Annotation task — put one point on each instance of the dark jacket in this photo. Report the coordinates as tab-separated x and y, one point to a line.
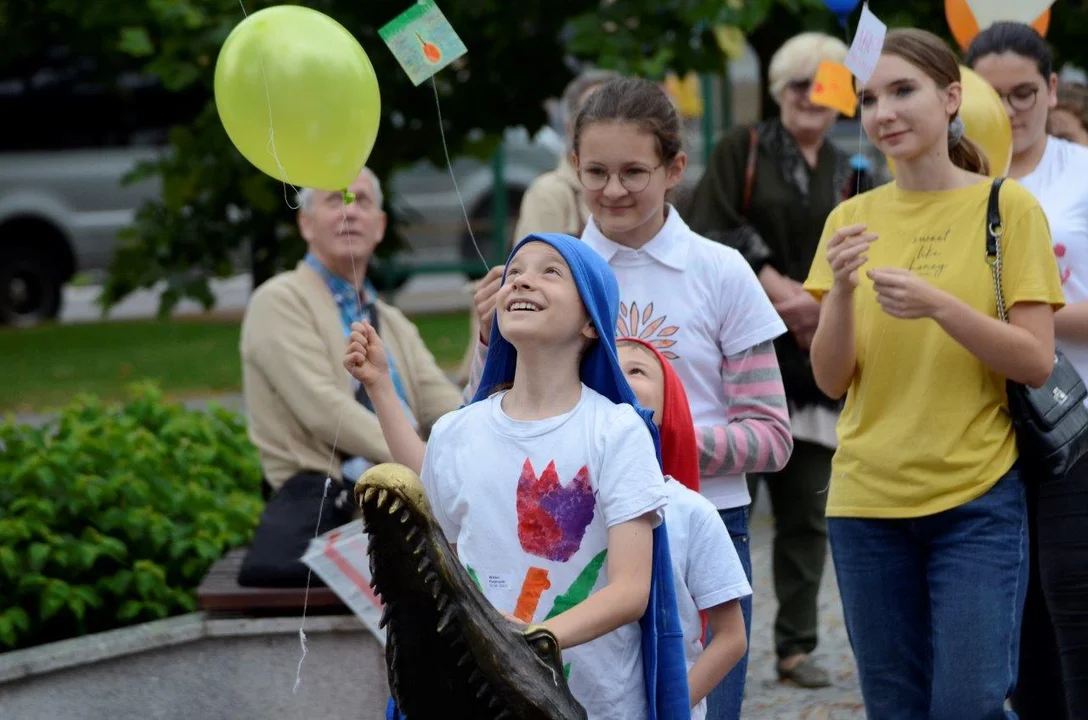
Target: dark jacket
789	203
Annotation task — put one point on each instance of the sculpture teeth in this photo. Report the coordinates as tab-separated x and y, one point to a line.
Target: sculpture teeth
445	620
395	505
464	660
493	704
368	494
504	715
387	612
484	689
420	546
412	532
474	676
442	600
383	495
424	564
405	515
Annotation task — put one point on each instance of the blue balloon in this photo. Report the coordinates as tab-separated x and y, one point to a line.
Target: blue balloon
842	8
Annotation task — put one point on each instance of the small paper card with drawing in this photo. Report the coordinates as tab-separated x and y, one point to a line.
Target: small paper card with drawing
833	87
339	558
422	40
868	42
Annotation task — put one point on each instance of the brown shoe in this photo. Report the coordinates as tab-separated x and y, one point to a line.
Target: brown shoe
806	674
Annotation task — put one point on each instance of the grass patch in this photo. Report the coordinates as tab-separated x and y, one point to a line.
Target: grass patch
43	367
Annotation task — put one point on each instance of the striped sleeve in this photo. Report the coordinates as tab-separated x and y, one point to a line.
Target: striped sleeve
476	373
756	436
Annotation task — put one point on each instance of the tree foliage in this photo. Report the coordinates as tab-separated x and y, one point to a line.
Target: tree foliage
215	205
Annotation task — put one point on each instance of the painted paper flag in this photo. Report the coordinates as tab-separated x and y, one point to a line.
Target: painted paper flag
340	558
868	42
833	87
422	40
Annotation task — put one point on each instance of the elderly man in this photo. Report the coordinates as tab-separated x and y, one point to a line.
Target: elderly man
307	417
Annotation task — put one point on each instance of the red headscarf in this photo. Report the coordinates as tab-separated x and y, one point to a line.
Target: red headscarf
679	453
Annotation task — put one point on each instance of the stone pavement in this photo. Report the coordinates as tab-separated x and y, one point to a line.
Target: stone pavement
765	697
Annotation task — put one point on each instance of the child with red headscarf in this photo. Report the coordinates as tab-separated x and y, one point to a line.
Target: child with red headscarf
704	560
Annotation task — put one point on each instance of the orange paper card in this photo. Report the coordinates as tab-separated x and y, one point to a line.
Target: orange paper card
833	87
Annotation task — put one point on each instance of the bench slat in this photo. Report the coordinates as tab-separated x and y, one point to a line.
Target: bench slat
220	591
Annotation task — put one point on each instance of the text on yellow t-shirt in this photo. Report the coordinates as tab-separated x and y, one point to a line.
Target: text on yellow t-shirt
925	426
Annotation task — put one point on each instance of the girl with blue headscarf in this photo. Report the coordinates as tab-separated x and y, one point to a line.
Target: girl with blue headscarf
549	487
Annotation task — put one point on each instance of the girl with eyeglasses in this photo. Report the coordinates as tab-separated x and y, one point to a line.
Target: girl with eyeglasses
1016	61
695	300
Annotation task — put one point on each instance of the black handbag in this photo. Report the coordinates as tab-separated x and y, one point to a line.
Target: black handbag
1051	422
297	513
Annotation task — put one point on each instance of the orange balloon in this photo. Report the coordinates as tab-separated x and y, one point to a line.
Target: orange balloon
964	27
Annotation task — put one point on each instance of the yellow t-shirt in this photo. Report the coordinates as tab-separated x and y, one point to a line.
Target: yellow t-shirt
925	427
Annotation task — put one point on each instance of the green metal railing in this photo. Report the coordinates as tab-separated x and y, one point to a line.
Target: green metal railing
392	270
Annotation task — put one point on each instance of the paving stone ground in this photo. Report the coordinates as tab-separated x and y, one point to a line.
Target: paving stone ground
765	697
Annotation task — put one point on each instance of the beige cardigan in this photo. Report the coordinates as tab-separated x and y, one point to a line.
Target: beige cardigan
554	202
299	396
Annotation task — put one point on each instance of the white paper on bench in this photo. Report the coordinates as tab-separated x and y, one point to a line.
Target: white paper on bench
339	558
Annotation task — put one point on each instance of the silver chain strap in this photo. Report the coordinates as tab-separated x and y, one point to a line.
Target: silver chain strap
995	270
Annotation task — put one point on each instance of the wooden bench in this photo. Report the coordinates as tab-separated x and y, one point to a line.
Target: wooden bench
220	593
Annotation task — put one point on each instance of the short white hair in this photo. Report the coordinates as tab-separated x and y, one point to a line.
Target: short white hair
800	56
306	195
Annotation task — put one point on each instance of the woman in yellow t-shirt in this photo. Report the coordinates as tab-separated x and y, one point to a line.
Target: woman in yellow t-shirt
926	510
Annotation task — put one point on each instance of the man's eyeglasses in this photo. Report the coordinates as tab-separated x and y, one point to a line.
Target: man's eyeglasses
633	179
1021	98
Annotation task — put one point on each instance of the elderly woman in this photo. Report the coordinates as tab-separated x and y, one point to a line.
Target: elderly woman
553	202
767	191
1069	118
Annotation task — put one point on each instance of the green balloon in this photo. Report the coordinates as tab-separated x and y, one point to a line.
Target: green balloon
298	97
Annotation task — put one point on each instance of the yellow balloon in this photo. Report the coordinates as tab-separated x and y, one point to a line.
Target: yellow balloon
298	97
985	122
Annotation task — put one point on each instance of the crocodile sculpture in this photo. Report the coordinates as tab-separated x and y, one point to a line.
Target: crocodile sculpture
449	653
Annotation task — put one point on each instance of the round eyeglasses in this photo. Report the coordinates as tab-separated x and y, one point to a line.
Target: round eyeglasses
1021	98
633	179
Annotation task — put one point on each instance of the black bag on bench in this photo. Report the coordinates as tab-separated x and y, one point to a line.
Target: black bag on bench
288	524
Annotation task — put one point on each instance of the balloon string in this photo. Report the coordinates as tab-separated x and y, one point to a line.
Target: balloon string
861	127
328	479
845	19
272	131
453	176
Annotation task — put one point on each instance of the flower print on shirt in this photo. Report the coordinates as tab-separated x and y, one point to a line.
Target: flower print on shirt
1066	272
552	519
645	326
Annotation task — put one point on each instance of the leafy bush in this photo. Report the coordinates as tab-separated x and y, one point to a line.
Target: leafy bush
111	514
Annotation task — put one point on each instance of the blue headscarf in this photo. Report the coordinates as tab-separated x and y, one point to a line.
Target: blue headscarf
664	665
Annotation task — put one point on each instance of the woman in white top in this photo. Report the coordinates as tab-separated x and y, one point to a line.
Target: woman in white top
1016	61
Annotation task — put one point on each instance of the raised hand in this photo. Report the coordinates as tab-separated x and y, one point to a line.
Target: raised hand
904	295
484	300
365	357
846	253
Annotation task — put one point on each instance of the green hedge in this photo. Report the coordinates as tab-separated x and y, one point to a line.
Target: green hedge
111	514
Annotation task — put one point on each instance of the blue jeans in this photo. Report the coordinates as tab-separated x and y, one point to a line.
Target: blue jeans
933	605
724	701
